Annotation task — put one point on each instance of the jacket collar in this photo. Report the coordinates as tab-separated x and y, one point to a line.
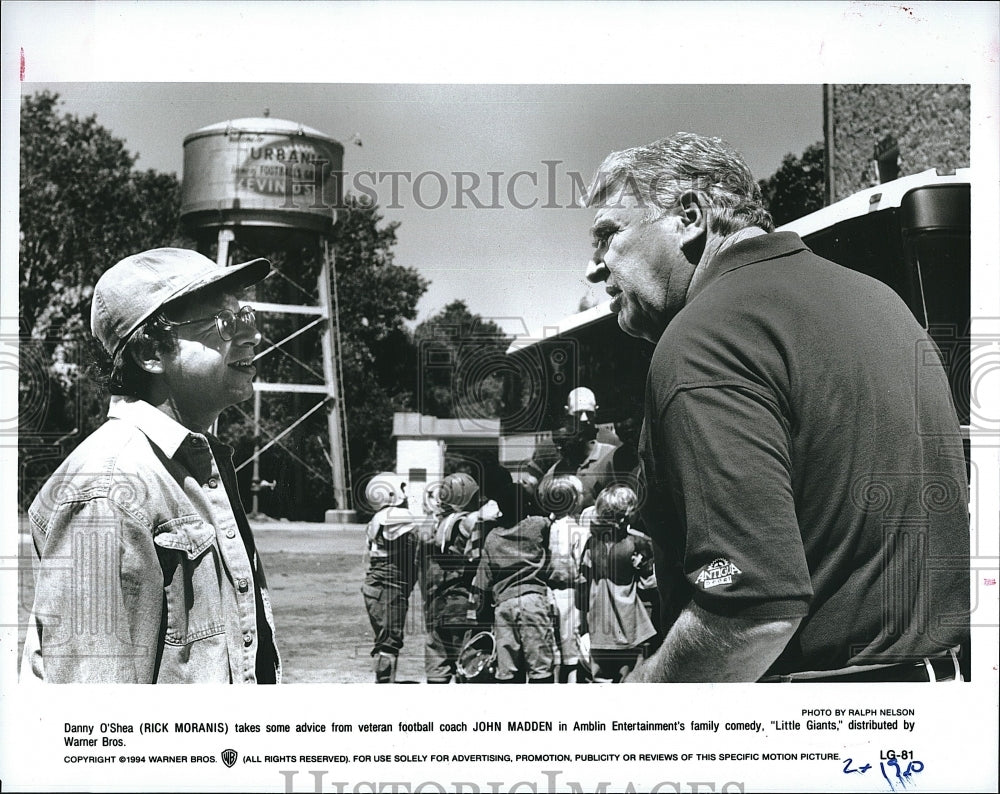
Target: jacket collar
747	252
159	428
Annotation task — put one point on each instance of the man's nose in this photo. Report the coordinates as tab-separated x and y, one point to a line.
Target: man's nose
597	271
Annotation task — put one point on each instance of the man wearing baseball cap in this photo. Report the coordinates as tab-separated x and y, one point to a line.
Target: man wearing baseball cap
145	566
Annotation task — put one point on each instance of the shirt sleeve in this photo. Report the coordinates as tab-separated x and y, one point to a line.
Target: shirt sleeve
482	585
98	597
729	471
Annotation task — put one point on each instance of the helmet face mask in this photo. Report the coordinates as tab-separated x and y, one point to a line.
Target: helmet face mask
477	659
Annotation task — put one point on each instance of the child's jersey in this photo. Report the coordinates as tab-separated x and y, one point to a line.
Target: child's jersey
567	543
391	537
515	559
616	560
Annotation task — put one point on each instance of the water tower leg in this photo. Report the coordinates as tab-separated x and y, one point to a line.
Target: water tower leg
255	481
334	419
226	236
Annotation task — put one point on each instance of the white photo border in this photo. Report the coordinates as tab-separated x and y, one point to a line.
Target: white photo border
694	42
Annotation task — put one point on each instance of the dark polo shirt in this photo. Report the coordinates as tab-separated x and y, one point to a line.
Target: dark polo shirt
803	459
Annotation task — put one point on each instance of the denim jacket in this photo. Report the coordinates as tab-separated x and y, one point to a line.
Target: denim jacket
141	574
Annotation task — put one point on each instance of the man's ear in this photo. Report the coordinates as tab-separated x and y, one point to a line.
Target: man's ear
694	219
147	355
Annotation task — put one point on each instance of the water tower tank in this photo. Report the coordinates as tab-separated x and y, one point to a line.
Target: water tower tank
260	172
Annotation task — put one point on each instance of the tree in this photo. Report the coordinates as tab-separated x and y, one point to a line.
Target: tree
797	187
82	208
462	360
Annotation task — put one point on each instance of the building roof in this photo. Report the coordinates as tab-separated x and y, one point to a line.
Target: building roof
873	199
414	425
573	322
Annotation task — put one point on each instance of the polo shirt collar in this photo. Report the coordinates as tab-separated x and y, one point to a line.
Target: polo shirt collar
159	428
746	252
595	452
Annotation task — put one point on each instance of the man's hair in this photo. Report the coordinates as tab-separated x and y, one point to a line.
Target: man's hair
657	174
122	374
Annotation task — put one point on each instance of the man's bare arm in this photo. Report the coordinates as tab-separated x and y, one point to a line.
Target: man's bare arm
702	646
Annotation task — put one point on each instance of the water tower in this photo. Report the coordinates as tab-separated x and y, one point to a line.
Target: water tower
275	184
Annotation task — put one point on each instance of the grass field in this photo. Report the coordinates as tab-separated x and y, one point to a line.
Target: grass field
314	573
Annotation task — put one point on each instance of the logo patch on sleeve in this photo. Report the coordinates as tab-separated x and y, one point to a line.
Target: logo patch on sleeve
719	572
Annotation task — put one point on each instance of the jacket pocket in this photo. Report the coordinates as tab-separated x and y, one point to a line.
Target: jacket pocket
192	587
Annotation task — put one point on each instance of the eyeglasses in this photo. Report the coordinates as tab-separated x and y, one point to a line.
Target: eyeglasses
227	323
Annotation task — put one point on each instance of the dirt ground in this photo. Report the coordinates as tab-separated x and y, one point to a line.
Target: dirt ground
315	580
314	573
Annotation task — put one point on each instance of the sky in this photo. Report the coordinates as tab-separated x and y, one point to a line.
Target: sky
523	266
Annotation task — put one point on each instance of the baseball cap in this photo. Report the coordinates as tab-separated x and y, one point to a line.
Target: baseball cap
135	289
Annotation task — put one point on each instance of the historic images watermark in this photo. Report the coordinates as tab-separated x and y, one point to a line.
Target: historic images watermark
973	363
549	186
550	781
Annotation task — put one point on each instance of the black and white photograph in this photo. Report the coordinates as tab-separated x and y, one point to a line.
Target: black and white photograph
364	345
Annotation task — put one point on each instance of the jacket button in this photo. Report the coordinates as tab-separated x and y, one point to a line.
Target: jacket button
231	533
213	483
248	639
242	585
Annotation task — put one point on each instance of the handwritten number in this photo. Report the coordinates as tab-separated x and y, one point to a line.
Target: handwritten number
901	775
882	767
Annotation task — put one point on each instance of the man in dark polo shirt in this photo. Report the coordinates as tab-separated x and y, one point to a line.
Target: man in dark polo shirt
805	479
